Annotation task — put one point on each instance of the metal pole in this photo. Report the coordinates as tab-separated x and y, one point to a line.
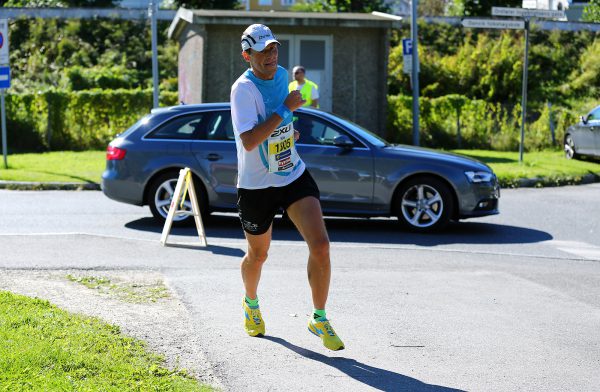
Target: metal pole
153	10
4	147
552	126
415	72
524	97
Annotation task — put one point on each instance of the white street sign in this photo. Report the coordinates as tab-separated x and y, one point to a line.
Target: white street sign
407	63
527	13
3	41
493	23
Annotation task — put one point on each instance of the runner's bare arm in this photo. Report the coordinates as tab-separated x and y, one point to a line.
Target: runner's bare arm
252	138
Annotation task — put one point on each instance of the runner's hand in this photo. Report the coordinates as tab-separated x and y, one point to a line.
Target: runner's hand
294	100
296	135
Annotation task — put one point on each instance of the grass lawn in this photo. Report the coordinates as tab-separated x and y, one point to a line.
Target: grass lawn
550	166
45	348
60	166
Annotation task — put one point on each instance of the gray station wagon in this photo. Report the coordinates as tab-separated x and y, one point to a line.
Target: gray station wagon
358	173
583	138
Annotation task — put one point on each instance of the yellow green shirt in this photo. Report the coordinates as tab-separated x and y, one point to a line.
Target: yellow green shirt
309	91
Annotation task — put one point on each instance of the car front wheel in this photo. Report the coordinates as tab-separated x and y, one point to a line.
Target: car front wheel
570	148
424	204
161	193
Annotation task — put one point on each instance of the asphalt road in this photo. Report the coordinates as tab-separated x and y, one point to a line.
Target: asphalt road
509	302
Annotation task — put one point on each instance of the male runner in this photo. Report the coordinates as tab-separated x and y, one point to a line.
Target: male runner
272	176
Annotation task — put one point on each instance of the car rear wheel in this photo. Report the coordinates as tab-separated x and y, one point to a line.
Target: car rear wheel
161	193
570	148
424	204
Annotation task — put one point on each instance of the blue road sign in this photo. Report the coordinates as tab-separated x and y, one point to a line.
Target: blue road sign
406	47
4	77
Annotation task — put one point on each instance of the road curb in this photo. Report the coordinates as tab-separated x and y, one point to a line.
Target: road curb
49	186
536	182
542	182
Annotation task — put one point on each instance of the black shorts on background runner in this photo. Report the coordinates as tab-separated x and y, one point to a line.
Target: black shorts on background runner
257	207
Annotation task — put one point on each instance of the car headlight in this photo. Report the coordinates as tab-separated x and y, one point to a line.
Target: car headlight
479	176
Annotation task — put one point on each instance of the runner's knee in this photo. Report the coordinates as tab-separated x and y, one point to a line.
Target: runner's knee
320	248
257	256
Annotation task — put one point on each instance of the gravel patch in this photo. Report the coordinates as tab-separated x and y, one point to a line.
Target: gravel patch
164	324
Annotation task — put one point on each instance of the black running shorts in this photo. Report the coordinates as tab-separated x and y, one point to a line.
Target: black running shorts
257	207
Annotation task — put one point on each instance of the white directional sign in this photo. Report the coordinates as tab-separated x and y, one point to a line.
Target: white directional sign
4	76
3	41
527	13
493	24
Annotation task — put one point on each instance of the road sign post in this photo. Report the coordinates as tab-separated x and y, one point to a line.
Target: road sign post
526	14
4	83
524	91
152	11
415	71
4	149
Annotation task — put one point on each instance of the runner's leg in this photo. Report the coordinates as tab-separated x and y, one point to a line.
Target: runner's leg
255	257
308	218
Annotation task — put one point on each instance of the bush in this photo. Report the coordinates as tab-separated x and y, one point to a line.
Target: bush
116	77
79	120
455	121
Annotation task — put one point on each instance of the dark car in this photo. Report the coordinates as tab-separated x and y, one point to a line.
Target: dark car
584	138
358	173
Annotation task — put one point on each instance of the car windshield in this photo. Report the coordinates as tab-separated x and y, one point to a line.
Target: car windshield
372	138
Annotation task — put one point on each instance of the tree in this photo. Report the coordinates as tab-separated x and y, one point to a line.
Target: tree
208	4
484	7
591	13
57	3
342	6
432	7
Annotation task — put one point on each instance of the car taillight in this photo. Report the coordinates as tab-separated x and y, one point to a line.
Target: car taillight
115	153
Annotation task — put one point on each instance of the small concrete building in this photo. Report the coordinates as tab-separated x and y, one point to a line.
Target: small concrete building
346	54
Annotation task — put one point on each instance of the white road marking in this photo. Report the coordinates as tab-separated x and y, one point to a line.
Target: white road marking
578	248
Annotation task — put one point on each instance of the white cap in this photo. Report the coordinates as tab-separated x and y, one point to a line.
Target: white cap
257	37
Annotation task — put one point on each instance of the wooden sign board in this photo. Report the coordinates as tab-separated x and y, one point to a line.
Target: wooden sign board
185	185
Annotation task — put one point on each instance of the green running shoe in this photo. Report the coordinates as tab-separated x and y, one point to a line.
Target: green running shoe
253	322
322	328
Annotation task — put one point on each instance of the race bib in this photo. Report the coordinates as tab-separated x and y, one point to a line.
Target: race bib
281	146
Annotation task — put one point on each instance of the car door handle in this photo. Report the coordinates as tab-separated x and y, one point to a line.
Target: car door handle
213	157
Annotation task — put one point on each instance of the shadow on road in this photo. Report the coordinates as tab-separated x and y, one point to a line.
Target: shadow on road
372	231
215	249
380	379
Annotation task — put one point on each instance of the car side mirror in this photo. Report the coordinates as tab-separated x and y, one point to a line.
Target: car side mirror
584	119
343	141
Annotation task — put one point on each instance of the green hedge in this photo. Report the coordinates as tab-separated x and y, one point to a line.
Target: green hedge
89	119
455	121
74	120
